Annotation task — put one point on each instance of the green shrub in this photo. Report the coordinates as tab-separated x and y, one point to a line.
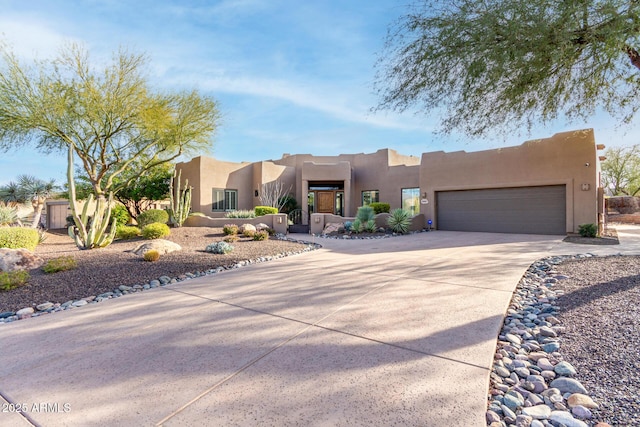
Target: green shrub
348	225
120	214
19	237
155	230
370	226
62	263
13	279
126	232
261	235
219	248
231	238
356	226
399	221
248	233
151	255
365	213
379	207
151	216
230	229
240	214
588	230
265	210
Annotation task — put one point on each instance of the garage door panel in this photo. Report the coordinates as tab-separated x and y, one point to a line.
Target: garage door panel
531	210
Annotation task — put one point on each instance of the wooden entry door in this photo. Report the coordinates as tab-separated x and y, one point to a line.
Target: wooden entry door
326	200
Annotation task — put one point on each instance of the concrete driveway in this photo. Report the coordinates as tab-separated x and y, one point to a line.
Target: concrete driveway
397	331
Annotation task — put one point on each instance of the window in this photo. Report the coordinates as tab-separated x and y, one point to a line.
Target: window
224	200
370	196
411	200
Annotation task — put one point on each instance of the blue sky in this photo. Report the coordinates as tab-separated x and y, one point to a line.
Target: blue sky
290	76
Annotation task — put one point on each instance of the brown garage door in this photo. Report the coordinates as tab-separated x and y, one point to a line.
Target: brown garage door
528	210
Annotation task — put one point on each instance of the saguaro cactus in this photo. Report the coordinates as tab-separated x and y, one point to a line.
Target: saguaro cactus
179	199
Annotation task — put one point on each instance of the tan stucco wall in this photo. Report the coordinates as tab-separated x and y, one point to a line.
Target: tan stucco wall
207	173
568	158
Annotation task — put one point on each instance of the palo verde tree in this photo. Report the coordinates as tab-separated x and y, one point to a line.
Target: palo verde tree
109	118
496	65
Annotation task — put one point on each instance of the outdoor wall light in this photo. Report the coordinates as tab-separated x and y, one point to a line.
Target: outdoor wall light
279	220
256	193
587	164
317	219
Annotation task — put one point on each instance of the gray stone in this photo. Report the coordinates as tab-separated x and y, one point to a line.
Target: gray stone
79	303
512	402
25	312
566	418
551	347
544	364
522	372
514	339
564	368
125	288
508	413
568	385
523	420
44	306
581	412
6	314
548	332
164	279
538	412
18	259
154	283
502	371
536	423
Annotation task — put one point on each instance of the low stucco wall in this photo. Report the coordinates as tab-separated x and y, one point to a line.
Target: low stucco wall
278	222
319	221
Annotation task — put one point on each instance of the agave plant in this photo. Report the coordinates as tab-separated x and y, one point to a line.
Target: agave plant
399	221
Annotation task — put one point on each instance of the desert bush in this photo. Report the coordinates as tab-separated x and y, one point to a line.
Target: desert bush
356	226
240	214
249	233
62	263
231	238
13	279
379	207
399	221
155	230
19	237
230	229
151	255
365	213
261	235
125	232
265	210
120	214
8	215
219	248
348	225
152	215
588	230
370	226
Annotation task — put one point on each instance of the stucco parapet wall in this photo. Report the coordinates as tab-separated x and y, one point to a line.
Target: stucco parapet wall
326	171
278	222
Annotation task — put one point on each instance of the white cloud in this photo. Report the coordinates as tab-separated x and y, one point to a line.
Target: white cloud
29	37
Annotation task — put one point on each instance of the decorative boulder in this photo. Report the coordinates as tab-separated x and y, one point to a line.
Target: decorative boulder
261	226
247	227
333	227
18	259
160	245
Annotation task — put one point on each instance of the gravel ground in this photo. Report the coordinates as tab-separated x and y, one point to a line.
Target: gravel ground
102	270
600	309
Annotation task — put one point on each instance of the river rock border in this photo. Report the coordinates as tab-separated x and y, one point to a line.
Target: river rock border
531	385
48	307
